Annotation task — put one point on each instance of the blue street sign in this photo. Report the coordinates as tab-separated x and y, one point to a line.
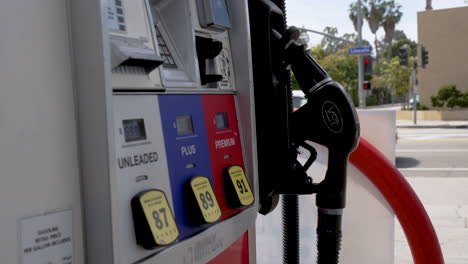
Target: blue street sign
360	51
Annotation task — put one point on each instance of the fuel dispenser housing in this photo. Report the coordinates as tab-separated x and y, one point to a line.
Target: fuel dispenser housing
157	131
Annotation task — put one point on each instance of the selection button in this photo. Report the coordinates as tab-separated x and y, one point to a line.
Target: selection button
202	201
238	191
153	219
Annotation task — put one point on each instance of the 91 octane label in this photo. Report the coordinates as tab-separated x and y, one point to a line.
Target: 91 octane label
206	199
160	217
241	184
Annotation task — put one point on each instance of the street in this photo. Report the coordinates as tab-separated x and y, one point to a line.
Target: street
435	163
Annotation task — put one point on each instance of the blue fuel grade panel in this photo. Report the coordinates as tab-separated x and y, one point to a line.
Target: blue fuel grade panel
187	152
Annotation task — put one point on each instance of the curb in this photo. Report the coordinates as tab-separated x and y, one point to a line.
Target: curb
434	126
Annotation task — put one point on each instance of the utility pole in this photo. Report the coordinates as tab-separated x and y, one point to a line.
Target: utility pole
362	99
415	91
327	35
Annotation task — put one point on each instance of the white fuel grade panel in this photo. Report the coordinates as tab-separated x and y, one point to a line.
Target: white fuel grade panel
140	165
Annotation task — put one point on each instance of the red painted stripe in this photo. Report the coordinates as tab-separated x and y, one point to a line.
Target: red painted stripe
237	253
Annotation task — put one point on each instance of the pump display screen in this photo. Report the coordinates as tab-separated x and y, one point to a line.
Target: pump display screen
184	125
134	130
220	12
221	120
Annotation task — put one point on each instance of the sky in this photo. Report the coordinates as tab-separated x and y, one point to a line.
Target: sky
317	14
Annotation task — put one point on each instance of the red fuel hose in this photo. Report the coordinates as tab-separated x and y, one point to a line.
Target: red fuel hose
406	205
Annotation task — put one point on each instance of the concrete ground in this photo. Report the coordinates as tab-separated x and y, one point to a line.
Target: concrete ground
435	163
433	157
432	124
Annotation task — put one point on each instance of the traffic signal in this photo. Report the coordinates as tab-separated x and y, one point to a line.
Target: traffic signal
366	85
367	65
424	56
403	54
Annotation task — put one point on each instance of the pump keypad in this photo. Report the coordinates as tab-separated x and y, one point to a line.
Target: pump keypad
238	191
153	219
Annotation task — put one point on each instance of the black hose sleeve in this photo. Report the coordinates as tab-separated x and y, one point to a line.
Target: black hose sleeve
328	236
290	203
290	214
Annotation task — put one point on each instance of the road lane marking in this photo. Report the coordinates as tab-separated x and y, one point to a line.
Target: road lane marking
431	150
432	140
433	169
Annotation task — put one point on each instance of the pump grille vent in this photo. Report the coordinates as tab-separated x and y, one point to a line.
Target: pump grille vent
134	70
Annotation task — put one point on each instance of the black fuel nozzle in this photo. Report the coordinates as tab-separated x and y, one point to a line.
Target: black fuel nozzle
329	119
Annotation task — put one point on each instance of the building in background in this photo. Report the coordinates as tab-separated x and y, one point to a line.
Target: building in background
444	34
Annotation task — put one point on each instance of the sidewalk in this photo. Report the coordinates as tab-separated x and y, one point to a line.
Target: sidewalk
432	124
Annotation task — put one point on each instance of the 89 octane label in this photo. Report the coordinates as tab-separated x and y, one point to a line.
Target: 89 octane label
206	199
160	217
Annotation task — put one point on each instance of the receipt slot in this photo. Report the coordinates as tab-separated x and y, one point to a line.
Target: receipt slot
167	144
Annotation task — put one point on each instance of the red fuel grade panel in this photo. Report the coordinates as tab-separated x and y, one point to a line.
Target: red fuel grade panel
237	253
223	142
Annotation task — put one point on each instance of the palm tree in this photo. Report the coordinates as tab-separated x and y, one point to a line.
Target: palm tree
372	11
391	17
374	16
353	14
428	4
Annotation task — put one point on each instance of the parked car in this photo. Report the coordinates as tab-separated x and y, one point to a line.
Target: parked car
298	99
417	99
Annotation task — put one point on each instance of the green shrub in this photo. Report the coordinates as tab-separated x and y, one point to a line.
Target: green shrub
463	100
450	96
371	100
420	106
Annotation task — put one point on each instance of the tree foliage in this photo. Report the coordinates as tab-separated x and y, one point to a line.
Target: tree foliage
378	13
399	34
400	43
341	67
332	45
332	54
392	17
396	77
450	96
428	4
303	37
318	52
374	14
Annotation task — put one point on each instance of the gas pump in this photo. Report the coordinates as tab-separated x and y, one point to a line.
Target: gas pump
167	130
168	141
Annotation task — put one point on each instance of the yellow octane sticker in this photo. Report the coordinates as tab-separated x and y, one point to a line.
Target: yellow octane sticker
241	184
206	199
159	217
